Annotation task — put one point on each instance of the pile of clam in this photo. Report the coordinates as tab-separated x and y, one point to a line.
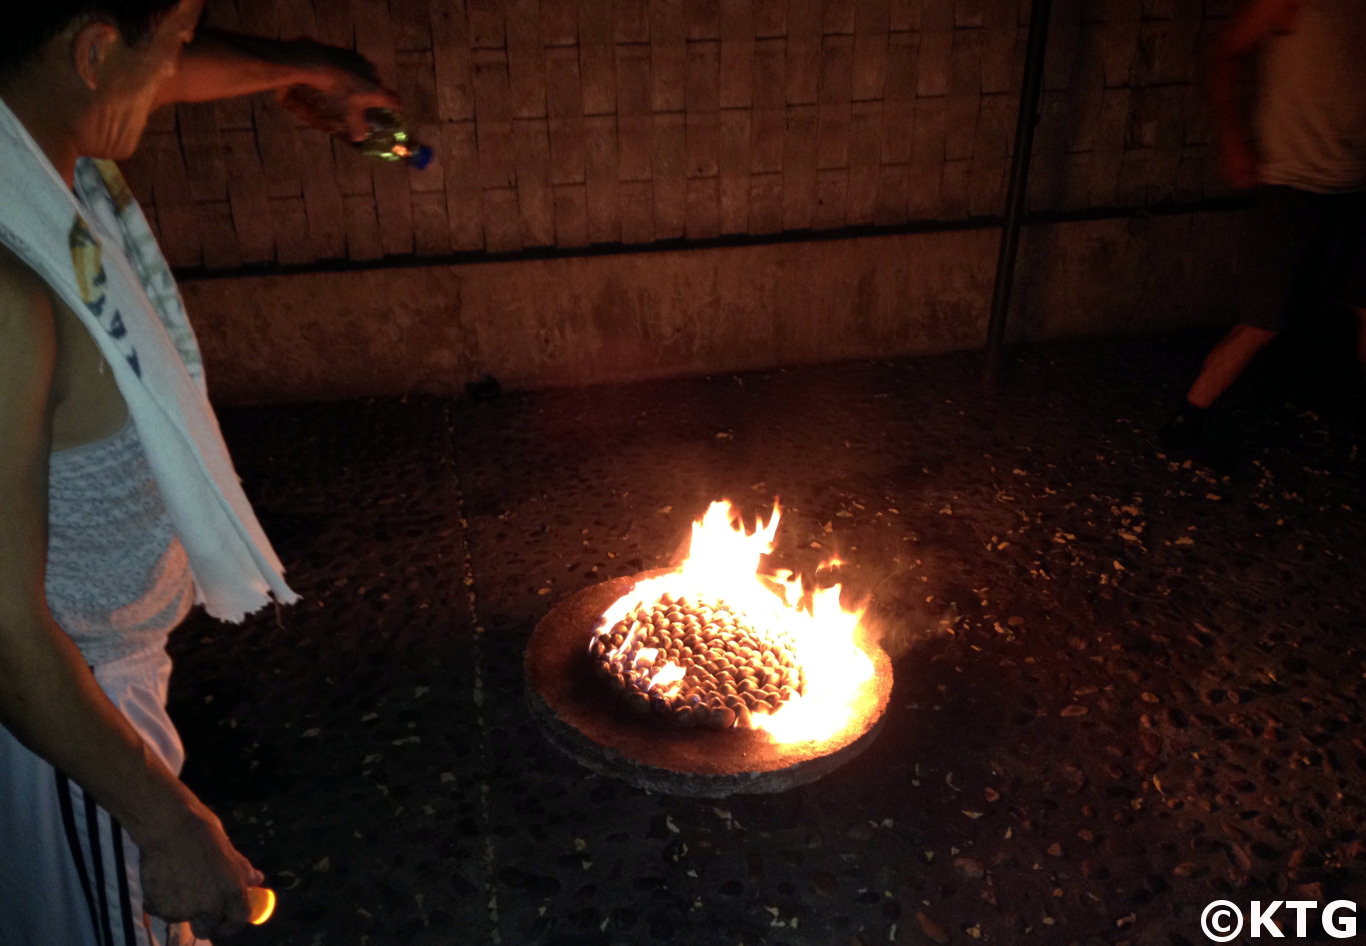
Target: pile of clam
732	671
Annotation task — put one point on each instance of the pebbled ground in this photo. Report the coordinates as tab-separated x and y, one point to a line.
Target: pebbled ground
1126	685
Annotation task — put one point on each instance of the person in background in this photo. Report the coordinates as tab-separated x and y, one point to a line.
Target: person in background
1306	158
118	506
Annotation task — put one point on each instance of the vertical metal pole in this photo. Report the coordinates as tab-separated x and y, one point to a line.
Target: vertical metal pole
1019	181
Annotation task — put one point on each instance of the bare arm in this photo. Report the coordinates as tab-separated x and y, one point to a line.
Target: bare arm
219	65
1247	29
48	698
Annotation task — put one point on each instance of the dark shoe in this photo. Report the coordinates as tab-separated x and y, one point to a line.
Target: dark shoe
1186	431
486	388
1187	436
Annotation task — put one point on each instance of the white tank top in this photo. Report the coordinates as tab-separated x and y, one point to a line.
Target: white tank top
118	580
1311	109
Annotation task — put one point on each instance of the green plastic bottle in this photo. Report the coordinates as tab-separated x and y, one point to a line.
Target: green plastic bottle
389	138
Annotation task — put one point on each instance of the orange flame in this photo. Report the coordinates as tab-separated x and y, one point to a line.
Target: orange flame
723	563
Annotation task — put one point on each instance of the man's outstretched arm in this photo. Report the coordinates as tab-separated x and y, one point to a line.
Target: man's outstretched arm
220	65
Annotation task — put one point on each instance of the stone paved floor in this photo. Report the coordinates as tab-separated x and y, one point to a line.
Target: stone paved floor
1125	686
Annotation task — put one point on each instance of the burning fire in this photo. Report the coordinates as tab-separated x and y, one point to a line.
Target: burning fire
722	564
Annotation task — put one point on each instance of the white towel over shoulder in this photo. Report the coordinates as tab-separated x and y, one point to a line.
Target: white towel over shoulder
97	254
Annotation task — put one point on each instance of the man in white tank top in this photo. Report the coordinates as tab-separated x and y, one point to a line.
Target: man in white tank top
1306	155
96	830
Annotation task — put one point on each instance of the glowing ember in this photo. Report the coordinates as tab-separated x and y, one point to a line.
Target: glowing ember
262	903
736	647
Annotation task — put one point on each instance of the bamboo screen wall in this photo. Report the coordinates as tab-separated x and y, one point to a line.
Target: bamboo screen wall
567	123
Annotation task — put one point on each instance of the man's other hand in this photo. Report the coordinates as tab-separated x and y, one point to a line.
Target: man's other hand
1237	162
194	873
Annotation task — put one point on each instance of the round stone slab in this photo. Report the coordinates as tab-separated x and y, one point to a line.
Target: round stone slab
580	716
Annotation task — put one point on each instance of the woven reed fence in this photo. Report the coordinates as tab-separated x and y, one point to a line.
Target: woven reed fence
561	124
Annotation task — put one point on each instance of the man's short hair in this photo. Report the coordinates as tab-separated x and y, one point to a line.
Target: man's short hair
31	24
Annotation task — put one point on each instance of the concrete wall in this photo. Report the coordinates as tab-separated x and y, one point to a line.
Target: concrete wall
610	127
572	123
582	320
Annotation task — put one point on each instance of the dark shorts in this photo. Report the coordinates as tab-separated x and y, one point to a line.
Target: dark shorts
1304	250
